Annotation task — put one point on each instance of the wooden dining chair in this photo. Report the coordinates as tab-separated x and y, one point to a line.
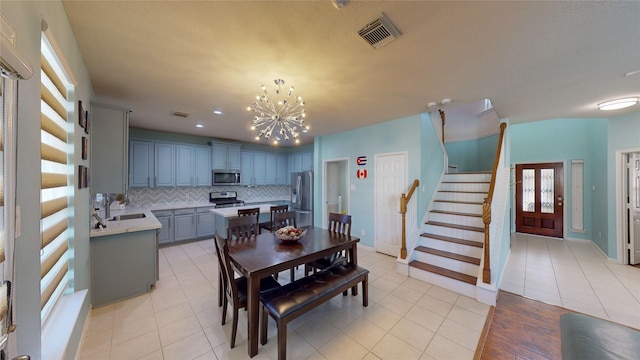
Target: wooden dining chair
338	223
241	227
282	219
273	210
254	213
235	289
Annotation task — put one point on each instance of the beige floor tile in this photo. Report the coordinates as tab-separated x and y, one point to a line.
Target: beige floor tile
188	348
133	309
137	347
472	305
435	305
407	293
179	330
467	318
441	348
209	355
425	318
384	284
380	316
412	333
343	347
365	333
134	328
173	314
443	294
395	304
371	356
318	332
156	355
391	348
460	334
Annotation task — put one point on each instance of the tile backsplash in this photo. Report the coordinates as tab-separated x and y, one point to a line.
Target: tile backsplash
177	195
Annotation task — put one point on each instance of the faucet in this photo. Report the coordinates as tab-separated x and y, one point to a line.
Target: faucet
107	206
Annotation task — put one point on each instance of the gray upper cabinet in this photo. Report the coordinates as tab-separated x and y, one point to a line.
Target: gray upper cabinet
141	163
203	166
185	165
225	156
109	148
282	176
165	164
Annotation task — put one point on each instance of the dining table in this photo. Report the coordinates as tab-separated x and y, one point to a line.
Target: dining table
264	255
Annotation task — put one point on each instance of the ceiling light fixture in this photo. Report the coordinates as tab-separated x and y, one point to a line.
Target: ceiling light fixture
283	114
199	125
618	103
216	112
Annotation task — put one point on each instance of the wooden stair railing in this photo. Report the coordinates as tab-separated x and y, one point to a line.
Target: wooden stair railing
404	199
486	210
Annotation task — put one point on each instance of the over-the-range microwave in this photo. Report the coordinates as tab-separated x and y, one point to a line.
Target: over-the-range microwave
225	177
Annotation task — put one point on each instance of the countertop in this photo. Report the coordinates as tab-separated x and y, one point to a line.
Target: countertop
150	222
233	211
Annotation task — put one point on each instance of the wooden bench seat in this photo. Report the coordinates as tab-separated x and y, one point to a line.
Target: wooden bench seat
297	298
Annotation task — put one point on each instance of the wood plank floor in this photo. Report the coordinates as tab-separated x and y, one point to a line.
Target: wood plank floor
522	328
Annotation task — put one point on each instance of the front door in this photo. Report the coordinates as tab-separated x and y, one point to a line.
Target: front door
540	199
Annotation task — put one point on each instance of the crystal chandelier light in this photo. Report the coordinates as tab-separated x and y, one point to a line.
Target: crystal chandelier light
283	115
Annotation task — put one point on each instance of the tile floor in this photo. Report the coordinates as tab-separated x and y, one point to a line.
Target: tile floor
180	318
575	275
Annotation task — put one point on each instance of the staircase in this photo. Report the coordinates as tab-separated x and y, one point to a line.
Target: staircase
450	248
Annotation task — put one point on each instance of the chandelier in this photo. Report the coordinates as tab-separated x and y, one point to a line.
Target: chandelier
281	116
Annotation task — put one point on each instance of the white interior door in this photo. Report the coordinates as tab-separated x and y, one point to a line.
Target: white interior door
633	206
390	182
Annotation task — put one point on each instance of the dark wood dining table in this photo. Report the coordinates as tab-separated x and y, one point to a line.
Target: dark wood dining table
264	255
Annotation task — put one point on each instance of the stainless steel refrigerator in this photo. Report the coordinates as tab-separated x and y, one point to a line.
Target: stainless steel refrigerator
302	197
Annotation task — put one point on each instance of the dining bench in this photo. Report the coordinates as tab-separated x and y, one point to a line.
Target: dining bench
290	301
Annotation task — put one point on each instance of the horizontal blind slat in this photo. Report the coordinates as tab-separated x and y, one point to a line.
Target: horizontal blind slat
51	100
53	258
48	152
50	180
52	128
55	79
53	232
48	291
53	206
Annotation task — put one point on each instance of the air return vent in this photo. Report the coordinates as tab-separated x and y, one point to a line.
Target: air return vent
379	32
180	114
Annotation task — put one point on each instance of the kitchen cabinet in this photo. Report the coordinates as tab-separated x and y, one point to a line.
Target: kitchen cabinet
165	234
123	266
246	168
282	176
202	171
225	156
204	222
276	169
184	220
185	165
299	162
109	155
165	164
141	163
307	161
259	168
253	168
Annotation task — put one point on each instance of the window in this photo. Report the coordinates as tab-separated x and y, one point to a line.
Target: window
577	195
57	171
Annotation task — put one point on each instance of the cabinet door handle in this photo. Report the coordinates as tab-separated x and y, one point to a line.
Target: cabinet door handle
148	180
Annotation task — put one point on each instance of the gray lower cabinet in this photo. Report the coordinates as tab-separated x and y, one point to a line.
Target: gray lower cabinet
184	220
165	234
122	266
204	222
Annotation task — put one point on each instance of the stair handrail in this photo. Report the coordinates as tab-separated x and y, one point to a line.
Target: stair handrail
404	199
486	210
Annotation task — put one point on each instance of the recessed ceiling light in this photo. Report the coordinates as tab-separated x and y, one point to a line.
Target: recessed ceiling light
618	103
199	125
216	112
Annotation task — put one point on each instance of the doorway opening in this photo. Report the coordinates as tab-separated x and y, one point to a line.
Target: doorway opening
336	189
628	175
540	199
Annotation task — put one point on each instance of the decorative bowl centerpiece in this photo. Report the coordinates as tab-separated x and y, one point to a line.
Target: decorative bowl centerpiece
290	234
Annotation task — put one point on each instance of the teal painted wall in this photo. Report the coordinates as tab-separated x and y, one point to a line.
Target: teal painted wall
25	17
432	164
623	135
473	155
563	140
401	135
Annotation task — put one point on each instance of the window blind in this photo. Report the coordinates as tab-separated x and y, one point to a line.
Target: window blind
57	186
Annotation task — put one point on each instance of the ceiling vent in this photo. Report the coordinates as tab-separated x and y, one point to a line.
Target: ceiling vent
180	114
379	32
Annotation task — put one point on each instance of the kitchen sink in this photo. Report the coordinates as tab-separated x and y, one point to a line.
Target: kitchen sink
128	217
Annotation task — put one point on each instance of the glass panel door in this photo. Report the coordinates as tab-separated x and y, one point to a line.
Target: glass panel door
539	190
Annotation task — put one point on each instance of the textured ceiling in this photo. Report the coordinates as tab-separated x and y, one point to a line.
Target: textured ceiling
534	60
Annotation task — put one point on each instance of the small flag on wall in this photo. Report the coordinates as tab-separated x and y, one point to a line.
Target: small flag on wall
361	160
361	173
